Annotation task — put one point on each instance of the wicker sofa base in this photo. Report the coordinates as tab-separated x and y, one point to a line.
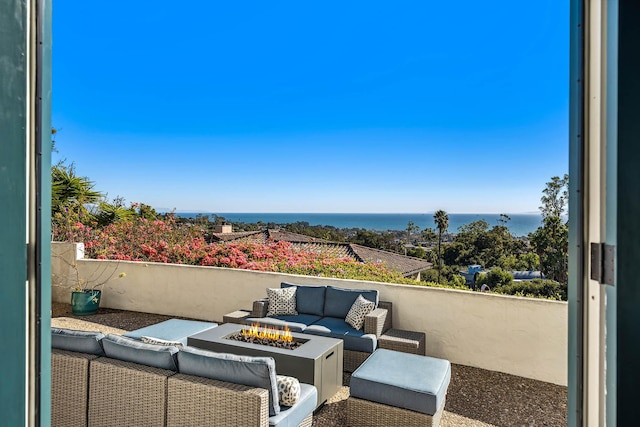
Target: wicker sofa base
69	387
363	413
202	401
353	359
126	394
198	401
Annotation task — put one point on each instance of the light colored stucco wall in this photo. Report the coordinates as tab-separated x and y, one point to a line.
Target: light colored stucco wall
520	336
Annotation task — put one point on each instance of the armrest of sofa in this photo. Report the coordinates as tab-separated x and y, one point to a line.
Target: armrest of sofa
379	320
260	308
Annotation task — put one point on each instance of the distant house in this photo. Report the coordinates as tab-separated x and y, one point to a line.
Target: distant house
521	276
407	266
470	275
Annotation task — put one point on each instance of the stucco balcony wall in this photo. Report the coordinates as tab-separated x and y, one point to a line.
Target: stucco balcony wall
520	336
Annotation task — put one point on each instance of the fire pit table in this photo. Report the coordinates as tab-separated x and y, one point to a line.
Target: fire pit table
317	361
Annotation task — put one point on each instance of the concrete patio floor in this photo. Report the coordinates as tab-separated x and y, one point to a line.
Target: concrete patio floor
476	397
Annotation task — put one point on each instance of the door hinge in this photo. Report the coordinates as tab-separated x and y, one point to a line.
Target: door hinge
603	263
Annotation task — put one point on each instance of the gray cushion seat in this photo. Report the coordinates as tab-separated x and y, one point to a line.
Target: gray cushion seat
409	381
297	323
354	339
172	330
292	416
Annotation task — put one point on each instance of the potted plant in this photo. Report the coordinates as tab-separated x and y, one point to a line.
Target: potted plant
85	296
86	290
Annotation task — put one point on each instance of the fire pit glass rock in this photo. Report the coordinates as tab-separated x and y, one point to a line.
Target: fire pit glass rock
273	337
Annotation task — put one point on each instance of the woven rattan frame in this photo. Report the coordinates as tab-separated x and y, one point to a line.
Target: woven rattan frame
197	401
353	359
379	320
363	413
237	316
405	341
69	387
126	394
260	308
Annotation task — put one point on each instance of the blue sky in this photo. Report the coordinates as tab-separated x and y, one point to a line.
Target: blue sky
289	106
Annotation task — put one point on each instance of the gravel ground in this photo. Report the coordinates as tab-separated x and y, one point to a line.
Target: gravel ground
476	397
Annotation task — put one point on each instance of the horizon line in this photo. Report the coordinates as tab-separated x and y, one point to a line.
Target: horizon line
164	210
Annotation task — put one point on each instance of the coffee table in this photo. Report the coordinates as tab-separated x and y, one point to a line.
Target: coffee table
318	361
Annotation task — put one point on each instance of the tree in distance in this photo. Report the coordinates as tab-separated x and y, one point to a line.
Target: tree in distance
442	223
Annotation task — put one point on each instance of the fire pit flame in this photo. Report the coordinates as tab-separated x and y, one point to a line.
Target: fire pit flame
274	334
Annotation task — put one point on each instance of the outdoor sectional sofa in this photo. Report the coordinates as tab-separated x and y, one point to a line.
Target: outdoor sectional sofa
322	311
120	381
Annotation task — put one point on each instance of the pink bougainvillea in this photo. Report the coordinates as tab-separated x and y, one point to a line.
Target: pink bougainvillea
166	241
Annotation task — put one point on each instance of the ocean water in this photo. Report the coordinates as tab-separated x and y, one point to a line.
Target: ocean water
520	224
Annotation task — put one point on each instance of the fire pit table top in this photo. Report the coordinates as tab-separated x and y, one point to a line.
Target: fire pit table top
313	346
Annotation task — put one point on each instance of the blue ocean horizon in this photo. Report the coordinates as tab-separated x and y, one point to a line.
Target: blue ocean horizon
519	225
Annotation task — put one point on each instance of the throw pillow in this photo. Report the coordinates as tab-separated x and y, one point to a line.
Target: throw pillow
152	340
282	301
288	390
359	310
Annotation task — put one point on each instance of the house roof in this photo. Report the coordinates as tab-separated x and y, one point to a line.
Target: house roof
403	264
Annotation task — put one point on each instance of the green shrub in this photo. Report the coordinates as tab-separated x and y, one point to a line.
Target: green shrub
495	278
537	288
447	285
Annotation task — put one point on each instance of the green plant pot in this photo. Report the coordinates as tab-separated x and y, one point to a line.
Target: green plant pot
85	302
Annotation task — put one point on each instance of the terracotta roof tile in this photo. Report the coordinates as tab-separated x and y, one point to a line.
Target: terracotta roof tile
405	265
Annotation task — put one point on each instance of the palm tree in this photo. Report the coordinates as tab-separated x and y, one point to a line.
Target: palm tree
109	213
442	223
411	227
69	191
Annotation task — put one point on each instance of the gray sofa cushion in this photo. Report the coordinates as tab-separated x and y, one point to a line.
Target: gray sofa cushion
252	371
293	416
355	340
132	350
297	323
309	299
409	381
338	301
79	341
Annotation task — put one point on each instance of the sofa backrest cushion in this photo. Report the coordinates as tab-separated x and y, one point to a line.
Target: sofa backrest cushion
79	341
309	299
132	350
251	371
338	301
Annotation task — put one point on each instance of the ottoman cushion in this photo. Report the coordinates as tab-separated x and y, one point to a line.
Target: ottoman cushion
409	381
172	330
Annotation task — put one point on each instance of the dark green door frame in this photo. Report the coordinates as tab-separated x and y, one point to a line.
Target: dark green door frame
628	212
575	295
25	260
